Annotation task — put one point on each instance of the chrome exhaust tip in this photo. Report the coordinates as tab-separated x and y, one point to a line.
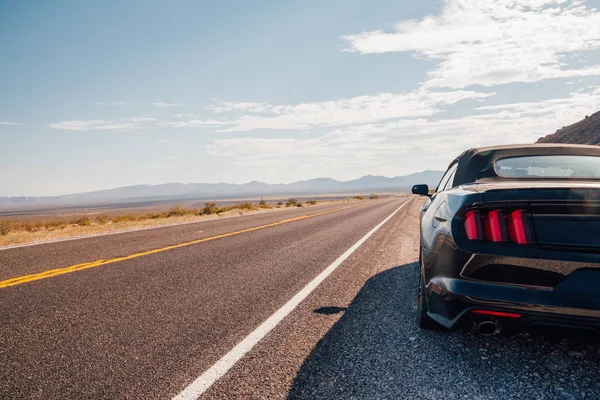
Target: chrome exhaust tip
487	327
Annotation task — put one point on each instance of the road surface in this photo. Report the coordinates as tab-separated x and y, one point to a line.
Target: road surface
303	303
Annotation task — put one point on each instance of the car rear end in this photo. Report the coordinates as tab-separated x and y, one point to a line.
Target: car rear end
520	253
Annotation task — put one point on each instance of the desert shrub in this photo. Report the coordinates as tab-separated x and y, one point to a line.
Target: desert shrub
358	197
245	206
299	205
210	208
54	224
176	211
263	204
102	219
374	196
280	203
312	202
83	221
124	218
33	226
155	215
291	203
4	228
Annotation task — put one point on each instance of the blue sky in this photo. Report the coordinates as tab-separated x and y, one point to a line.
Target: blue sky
99	94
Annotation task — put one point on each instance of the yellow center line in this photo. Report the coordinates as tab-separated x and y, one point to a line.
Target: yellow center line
78	267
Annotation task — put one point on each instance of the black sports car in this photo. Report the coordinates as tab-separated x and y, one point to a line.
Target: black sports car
511	239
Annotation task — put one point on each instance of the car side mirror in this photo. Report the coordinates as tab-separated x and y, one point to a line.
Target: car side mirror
422	190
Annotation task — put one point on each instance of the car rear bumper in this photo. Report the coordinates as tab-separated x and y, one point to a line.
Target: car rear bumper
574	303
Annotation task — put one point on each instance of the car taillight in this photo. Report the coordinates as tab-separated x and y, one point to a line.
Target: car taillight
518	227
473	225
498	226
495	228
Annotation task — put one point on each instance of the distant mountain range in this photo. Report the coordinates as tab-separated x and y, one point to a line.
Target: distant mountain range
206	191
586	131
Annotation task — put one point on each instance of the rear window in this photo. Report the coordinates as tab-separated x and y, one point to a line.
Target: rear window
565	167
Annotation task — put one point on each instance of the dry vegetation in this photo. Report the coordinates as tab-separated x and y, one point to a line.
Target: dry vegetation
293	203
31	230
33	226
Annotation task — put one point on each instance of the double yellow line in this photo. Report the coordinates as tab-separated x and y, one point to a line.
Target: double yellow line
79	267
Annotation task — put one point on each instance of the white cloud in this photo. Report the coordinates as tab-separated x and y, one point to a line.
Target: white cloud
93	125
404	146
494	42
226	106
357	110
192	123
163	104
579	99
112	103
126	124
10	123
139	120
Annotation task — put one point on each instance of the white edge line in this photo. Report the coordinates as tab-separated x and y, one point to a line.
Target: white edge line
221	367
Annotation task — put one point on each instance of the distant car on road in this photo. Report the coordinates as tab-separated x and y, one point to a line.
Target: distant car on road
510	239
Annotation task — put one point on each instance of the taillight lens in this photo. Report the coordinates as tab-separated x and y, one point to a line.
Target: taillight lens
498	226
473	225
495	229
518	227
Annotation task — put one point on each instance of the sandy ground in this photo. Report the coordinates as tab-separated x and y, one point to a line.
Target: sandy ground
16	238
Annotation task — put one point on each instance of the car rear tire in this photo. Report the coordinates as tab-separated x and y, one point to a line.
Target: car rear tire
424	321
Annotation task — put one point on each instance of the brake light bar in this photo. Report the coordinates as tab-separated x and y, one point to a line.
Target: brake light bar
498	226
497	313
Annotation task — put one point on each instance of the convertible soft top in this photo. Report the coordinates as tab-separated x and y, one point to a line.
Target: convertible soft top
478	164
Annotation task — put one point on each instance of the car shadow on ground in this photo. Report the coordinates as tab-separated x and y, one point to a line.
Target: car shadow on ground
375	350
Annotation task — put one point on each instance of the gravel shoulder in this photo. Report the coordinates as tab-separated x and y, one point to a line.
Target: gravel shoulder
376	351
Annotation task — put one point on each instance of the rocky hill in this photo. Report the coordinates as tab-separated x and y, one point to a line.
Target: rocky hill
586	131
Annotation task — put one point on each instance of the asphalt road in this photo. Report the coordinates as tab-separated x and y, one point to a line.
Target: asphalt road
147	326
